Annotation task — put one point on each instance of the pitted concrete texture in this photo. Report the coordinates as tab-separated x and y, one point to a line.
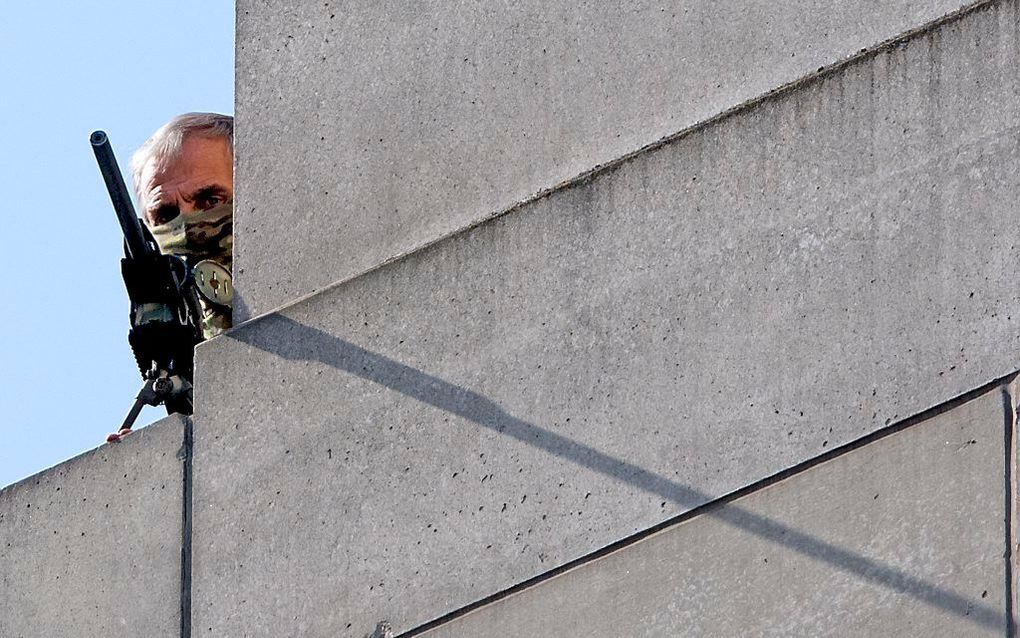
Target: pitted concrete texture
368	129
702	316
902	537
92	547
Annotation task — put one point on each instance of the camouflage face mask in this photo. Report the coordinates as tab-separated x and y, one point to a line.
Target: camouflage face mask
199	237
206	234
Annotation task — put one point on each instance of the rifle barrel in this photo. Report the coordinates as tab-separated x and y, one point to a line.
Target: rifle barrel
129	223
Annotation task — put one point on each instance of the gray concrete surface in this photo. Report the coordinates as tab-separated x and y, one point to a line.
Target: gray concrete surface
902	537
702	316
92	547
367	129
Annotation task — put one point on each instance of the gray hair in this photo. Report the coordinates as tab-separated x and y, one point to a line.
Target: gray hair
165	144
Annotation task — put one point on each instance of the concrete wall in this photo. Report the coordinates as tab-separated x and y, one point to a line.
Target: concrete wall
367	129
92	547
593	363
905	536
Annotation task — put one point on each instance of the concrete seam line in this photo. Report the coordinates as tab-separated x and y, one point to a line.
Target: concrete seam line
1009	466
1001	383
187	453
606	168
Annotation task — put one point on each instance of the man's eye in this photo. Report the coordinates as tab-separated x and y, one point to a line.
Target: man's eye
211	201
163	214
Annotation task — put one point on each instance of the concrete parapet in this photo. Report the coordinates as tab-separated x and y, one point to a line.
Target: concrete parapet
593	363
368	129
92	547
905	536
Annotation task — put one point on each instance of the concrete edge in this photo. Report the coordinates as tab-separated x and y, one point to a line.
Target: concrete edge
1005	384
599	170
138	435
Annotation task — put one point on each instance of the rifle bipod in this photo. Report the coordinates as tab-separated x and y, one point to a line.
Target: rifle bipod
174	392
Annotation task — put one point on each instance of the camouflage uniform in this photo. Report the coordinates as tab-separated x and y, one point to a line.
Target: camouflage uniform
199	237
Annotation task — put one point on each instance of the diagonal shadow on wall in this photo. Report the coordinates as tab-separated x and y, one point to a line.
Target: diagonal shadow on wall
289	339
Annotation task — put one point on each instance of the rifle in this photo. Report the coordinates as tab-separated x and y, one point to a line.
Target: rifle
165	315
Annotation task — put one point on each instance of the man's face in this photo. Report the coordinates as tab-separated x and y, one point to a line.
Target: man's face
201	178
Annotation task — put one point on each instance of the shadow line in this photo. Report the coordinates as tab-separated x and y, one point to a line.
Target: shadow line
286	338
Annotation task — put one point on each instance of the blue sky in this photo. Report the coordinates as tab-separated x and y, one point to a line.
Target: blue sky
67	376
